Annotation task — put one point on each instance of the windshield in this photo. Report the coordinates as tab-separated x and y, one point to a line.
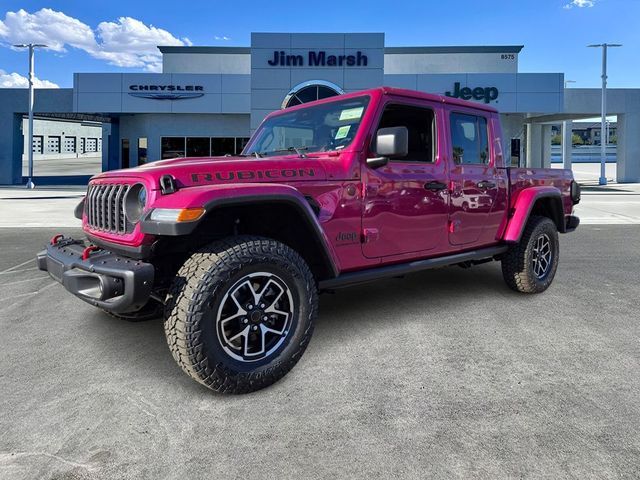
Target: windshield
320	128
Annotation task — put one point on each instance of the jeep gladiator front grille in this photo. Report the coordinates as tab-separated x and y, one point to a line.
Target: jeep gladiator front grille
104	206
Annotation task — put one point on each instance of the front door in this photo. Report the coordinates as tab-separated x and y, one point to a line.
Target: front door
405	202
475	182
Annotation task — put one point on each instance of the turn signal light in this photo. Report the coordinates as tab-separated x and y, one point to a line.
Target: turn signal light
176	214
190	214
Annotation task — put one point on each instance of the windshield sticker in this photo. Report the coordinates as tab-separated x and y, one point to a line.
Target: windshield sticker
342	132
351	113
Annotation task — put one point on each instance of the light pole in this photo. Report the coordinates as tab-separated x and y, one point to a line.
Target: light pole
567	136
31	47
603	146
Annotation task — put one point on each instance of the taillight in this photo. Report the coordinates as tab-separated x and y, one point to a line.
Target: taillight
575	192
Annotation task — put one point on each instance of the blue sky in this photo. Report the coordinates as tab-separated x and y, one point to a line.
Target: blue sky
115	36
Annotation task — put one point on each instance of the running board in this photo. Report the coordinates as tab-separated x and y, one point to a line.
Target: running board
371	274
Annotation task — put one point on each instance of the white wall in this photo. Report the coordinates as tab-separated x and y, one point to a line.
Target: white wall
206	63
450	63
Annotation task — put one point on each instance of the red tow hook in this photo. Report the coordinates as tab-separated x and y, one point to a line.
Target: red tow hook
87	251
56	238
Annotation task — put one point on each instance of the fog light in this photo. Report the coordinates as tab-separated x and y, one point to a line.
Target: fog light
176	214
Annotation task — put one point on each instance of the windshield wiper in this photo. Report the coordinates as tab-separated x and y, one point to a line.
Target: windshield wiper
298	151
252	154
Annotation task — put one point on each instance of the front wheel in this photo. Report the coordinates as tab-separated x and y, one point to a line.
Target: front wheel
530	265
240	313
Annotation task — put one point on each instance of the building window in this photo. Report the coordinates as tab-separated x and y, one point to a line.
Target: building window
37	144
198	147
172	147
92	145
223	146
142	151
83	143
241	142
175	147
310	92
69	144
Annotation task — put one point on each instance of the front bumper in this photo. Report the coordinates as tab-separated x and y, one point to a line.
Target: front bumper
103	279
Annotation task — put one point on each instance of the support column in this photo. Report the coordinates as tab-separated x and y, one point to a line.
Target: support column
567	143
546	146
628	168
534	145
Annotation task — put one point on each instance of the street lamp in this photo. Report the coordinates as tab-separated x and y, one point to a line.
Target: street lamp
603	146
31	47
567	136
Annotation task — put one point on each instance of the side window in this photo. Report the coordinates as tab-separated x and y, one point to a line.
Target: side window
469	139
420	124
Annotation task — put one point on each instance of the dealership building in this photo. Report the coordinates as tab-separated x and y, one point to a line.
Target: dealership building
208	100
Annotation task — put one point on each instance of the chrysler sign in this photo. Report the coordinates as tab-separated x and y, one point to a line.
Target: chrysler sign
166	92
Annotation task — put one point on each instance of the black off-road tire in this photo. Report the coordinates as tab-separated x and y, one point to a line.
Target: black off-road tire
197	295
518	267
152	310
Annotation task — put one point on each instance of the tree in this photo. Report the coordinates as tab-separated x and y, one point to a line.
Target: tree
556	140
576	139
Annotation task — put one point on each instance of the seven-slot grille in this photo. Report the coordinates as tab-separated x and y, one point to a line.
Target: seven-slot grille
104	206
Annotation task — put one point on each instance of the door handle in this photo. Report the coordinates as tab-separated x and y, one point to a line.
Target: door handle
435	186
485	185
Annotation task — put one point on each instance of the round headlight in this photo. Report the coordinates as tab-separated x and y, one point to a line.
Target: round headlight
134	202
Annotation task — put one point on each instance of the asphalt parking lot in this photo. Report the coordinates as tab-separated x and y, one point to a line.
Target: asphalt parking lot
442	374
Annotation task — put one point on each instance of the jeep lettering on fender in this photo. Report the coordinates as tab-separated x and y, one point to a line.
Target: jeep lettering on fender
233	251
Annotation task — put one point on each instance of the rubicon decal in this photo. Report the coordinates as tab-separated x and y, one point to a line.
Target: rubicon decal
252	174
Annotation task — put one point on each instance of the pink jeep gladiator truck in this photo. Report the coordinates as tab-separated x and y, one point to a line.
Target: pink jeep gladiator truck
233	251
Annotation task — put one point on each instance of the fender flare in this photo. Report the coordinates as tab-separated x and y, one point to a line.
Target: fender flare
521	211
220	198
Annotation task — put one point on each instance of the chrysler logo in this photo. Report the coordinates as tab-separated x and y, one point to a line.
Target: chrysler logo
166	92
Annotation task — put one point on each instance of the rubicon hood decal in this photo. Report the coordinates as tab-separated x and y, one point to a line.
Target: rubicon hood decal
273	173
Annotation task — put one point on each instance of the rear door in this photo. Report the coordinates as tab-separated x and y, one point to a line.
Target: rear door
405	204
475	181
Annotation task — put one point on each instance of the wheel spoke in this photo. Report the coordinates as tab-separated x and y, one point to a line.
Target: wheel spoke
242	333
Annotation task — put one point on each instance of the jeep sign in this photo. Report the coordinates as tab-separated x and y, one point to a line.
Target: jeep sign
485	94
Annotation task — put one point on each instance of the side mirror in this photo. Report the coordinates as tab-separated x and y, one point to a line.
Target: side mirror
390	142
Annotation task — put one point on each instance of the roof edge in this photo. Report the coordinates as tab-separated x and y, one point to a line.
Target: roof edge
187	49
457	49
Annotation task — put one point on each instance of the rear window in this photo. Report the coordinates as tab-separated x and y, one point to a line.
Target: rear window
469	139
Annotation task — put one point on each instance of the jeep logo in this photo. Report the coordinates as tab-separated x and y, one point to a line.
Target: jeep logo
479	93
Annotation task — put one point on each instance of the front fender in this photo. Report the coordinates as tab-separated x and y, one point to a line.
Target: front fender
215	196
522	210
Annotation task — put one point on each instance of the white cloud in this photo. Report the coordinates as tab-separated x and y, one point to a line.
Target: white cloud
127	42
580	4
222	37
15	80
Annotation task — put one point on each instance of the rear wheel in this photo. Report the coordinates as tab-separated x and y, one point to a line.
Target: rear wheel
240	313
531	265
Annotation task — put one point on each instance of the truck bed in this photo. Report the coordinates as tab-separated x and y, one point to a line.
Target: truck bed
521	178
